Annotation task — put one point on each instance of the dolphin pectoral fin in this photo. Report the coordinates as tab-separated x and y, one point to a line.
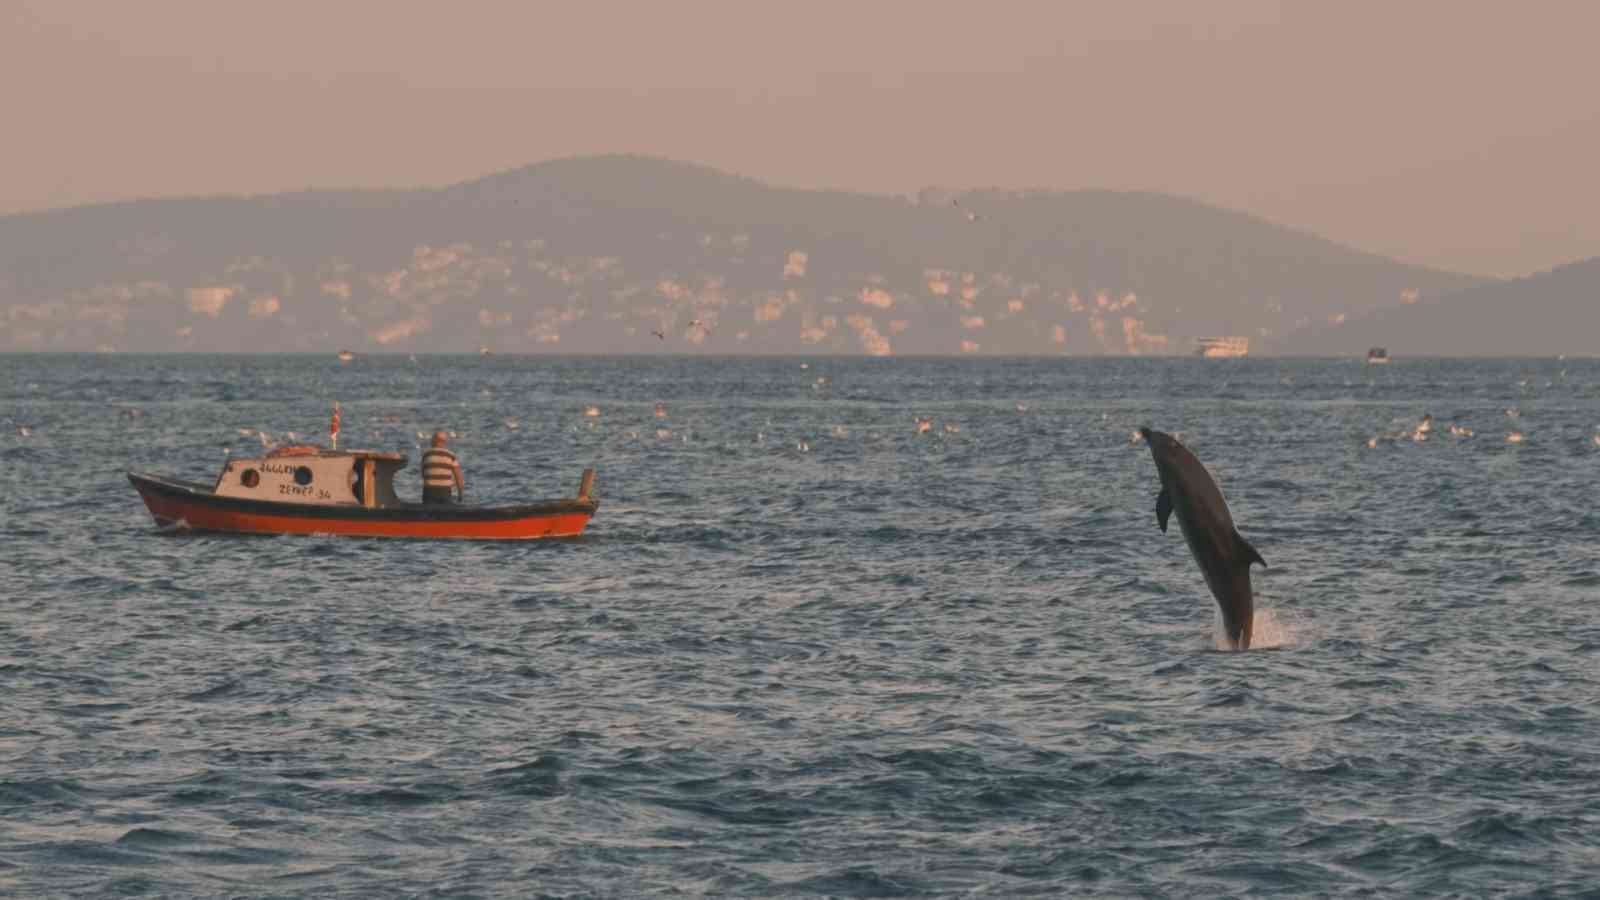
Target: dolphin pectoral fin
1246	552
1163	508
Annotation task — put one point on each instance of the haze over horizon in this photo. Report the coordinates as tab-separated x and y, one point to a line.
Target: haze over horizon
1453	135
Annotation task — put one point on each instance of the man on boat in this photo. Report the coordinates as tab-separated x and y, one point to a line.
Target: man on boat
440	470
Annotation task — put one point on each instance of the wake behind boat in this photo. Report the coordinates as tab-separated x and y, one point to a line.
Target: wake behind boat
311	490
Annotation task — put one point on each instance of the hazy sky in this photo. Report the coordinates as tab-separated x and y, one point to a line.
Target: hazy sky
1459	134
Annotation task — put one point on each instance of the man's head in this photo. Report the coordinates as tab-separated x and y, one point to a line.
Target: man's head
439	438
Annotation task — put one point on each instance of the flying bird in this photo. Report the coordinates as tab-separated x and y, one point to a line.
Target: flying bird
659	334
1422	429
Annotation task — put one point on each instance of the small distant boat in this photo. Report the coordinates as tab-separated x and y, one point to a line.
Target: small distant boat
346	355
1377	356
311	490
485	351
1222	347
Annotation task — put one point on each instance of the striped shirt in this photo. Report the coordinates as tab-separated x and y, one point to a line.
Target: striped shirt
438	468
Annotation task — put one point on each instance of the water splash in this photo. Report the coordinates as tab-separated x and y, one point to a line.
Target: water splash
1268	631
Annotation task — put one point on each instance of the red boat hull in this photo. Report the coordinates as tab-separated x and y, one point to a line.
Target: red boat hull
185	505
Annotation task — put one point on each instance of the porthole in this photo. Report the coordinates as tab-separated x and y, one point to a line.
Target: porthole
302	475
249	478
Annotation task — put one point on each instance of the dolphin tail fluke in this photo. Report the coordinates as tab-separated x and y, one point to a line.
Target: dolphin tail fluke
1247	552
1163	508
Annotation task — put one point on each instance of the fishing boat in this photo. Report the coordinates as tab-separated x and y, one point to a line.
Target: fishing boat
313	490
346	355
1377	356
1223	347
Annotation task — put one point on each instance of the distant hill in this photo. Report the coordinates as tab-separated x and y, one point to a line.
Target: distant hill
594	254
1551	313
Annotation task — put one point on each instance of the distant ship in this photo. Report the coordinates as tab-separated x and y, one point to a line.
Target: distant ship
1377	355
485	351
1222	346
346	355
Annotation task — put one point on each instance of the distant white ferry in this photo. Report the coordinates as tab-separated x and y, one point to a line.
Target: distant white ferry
1377	356
1222	346
346	356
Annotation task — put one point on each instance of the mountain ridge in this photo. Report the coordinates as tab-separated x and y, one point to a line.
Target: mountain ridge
594	253
1556	311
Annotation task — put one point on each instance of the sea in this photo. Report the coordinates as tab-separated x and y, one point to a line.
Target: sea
842	627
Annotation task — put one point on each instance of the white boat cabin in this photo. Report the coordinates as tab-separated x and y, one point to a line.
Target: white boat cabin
315	476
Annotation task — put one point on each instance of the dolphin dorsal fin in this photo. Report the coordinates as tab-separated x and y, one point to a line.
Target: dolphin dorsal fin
1247	552
1163	508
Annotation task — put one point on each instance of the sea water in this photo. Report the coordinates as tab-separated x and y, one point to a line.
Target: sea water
806	647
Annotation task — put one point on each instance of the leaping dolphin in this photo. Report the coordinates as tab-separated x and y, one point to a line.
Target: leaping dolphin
1223	554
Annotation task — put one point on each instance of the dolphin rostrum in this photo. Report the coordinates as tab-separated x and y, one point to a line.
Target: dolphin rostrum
1223	554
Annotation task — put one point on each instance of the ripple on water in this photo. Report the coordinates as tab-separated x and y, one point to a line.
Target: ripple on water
885	666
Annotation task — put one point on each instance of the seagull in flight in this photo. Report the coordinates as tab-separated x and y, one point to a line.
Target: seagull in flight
658	334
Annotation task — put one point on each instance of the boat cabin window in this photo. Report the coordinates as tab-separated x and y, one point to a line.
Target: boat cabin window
249	478
302	475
